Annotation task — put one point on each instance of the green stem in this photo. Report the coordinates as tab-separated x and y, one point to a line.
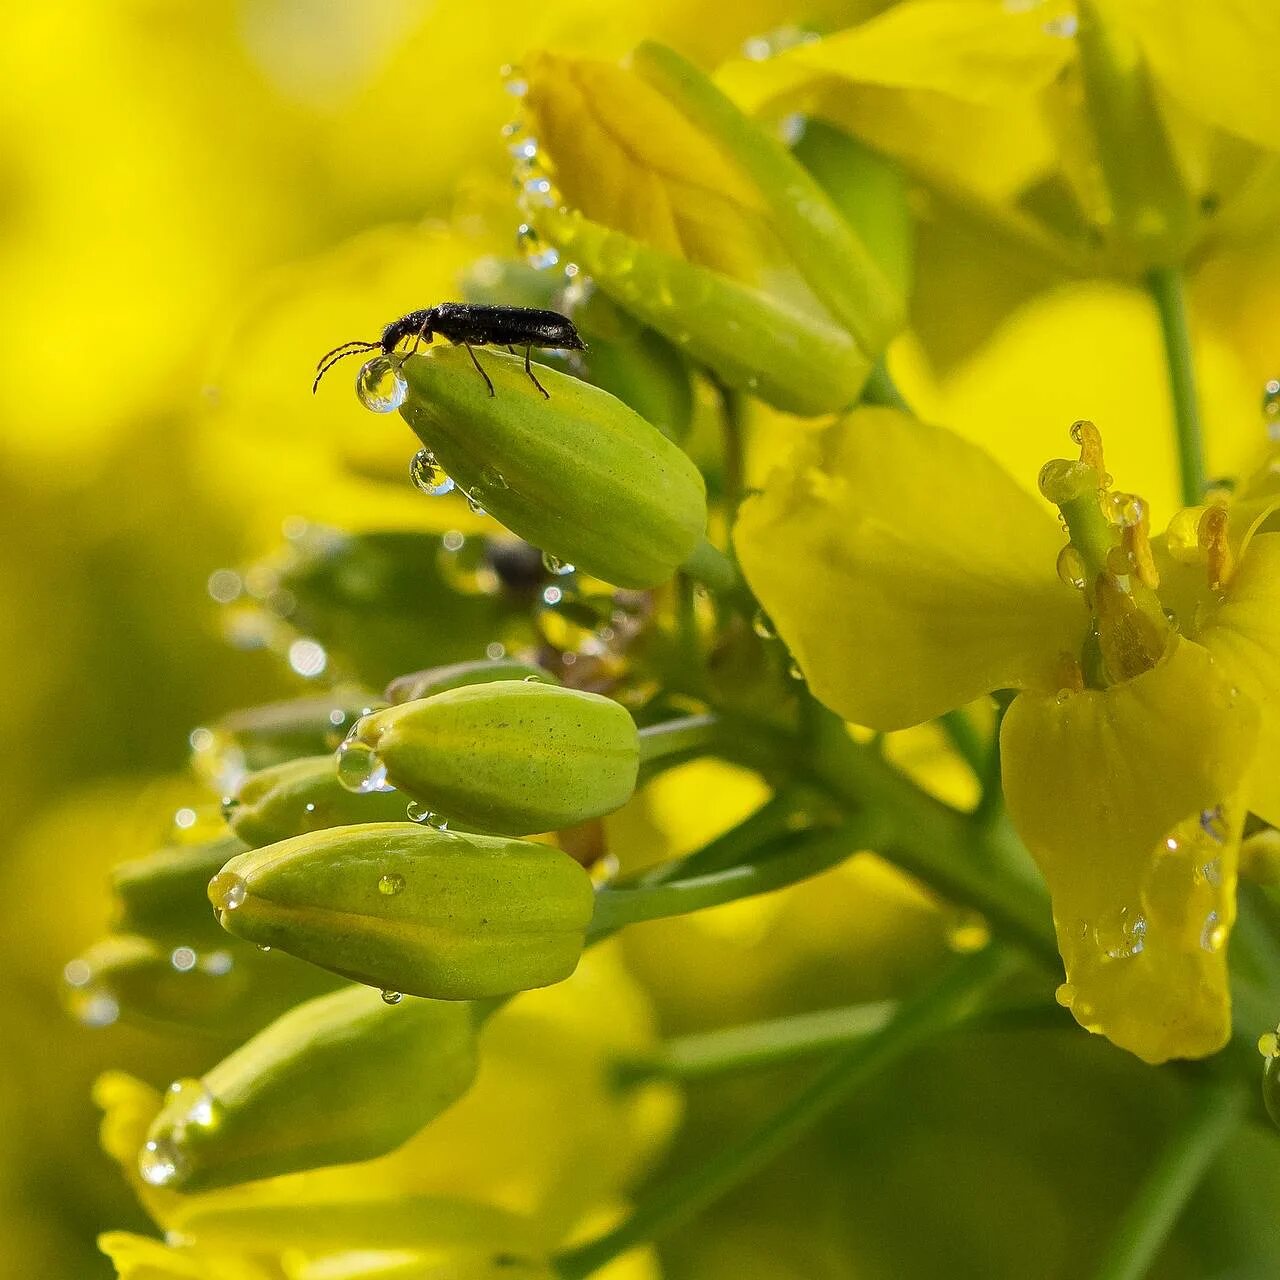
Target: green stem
965	738
665	745
882	390
758	1044
1167	290
1218	1108
732	426
687	624
916	1023
709	565
792	858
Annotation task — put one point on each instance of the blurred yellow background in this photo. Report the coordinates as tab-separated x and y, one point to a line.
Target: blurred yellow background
164	166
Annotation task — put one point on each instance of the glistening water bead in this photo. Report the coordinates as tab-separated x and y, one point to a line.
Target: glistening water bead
359	767
227	890
161	1163
428	475
381	386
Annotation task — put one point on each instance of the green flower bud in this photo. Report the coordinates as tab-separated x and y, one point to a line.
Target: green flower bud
275	731
422	684
413	909
303	795
163	894
512	757
226	990
579	475
342	1078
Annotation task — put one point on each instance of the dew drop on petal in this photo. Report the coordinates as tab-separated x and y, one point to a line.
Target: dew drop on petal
390	884
1065	995
1071	568
381	386
425	817
763	626
392	997
1269	1044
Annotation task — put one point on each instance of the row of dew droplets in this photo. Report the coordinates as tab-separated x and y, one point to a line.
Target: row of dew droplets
162	1162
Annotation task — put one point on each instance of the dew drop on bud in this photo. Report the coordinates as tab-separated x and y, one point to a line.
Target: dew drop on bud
390	884
424	817
1127	510
227	890
160	1163
1213	936
392	997
473	501
794	670
1065	995
359	767
381	386
264	947
1271	407
428	475
1214	824
1269	1044
763	626
558	567
200	1108
1071	568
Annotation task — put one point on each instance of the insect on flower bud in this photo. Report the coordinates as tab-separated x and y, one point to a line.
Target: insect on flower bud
303	795
513	757
341	1078
413	909
579	474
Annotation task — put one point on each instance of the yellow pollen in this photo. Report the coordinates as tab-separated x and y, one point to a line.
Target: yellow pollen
1089	438
1214	542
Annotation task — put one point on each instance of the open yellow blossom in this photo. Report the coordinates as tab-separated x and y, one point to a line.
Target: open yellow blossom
909	574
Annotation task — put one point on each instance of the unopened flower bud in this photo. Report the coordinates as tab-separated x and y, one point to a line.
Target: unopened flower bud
513	757
162	895
303	795
341	1078
578	474
422	684
226	989
413	909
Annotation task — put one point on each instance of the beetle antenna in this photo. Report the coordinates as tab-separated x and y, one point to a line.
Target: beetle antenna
331	358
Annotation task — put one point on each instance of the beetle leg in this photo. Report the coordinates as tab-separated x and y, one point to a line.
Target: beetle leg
424	332
546	395
511	349
488	381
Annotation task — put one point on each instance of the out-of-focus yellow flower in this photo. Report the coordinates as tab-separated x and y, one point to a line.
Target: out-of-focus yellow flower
908	574
542	1143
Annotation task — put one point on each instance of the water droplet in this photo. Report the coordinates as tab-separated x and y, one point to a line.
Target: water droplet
381	386
428	476
474	503
1214	824
1213	936
763	626
1078	429
264	947
1121	933
183	959
544	259
1269	1044
390	884
491	478
224	585
1071	568
495	650
1062	697
513	81
227	890
558	567
77	973
511	128
161	1163
360	769
794	670
1065	995
424	817
539	193
1126	510
195	1100
524	149
392	997
1271	407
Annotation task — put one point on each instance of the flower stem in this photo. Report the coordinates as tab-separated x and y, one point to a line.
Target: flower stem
732	423
672	742
1218	1108
1166	285
709	565
758	1044
882	390
916	1022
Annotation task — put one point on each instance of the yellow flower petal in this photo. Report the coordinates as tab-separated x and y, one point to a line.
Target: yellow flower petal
1097	785
1243	634
1216	59
907	573
627	158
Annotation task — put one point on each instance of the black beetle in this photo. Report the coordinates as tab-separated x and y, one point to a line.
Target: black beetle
467	325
